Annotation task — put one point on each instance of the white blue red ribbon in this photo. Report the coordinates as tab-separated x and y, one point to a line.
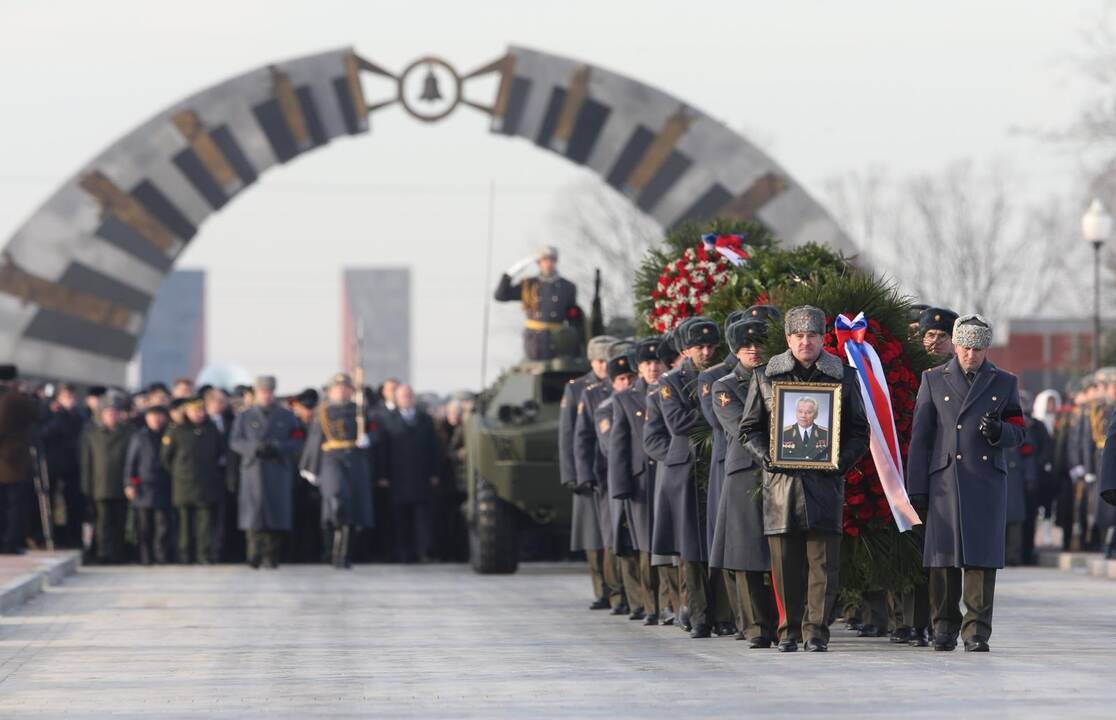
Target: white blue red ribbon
729	246
884	442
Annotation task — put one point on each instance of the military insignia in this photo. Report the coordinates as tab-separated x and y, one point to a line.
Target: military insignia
639	413
937	316
255	424
166	440
605	425
664	391
722	399
705	331
705	389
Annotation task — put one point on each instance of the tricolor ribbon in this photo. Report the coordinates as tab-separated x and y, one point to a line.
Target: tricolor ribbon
730	246
884	441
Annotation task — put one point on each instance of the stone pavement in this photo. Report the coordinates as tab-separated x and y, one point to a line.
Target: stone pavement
423	641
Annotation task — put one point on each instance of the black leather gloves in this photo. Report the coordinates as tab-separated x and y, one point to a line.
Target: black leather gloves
991	427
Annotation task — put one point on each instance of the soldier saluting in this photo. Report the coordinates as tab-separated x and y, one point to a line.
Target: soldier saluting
967	412
549	301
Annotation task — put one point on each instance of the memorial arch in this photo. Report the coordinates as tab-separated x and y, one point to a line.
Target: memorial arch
77	278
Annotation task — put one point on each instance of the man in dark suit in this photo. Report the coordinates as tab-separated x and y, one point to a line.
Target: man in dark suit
411	471
966	414
805	440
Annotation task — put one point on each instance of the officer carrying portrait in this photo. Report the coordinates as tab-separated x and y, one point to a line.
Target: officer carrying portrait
808	434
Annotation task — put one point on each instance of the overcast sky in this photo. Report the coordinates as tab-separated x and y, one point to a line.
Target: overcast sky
825	87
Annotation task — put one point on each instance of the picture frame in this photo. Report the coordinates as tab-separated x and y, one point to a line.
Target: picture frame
806	425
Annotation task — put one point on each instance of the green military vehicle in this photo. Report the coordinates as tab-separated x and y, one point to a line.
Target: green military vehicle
511	441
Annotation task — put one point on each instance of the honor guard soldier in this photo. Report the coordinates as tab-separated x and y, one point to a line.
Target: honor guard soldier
914	320
592	468
631	471
802	509
935	327
966	413
549	302
680	508
621	375
585	533
267	437
739	545
336	459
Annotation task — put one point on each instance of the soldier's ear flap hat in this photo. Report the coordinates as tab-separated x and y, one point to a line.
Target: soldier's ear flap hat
667	350
647	349
734	316
548	251
265	382
620	365
915	313
936	319
597	349
804	319
972	331
749	331
701	331
308	398
764	312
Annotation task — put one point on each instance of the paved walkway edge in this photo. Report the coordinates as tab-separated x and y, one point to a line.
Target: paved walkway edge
52	570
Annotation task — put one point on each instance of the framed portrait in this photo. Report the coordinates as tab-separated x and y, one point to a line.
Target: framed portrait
806	425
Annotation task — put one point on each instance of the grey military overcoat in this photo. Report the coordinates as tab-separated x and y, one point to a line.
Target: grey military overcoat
717	460
738	539
631	471
592	467
264	499
963	474
585	531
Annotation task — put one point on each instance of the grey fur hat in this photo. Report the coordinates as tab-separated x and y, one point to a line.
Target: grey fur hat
972	331
804	319
597	348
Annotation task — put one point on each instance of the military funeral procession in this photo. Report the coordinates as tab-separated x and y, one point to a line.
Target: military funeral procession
781	381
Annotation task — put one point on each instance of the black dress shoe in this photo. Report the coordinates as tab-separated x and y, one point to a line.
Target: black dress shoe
945	642
788	646
601	604
902	635
700	630
759	643
684	617
871	631
920	637
816	645
254	563
637	614
739	635
621	609
667	620
651	620
853	625
976	644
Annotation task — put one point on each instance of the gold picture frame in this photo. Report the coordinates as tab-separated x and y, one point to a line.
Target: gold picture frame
815	446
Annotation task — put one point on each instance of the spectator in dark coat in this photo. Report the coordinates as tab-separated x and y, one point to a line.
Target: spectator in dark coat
103	451
62	448
18	413
147	485
411	472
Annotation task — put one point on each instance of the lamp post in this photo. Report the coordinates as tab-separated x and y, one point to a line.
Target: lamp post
1096	225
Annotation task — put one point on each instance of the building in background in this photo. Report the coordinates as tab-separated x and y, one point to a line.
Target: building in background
379	301
1046	352
173	340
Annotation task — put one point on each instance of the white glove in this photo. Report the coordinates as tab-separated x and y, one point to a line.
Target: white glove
363	441
309	477
519	266
1090	478
1077	472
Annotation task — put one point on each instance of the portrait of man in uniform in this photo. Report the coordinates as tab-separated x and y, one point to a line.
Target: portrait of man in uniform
806	430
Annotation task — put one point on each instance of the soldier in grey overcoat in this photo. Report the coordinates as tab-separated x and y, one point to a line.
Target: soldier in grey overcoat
739	545
802	509
966	414
631	471
680	508
585	532
267	438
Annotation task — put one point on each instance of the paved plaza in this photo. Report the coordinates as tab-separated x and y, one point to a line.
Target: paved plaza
422	641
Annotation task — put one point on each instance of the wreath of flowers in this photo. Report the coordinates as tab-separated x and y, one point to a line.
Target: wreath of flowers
686	284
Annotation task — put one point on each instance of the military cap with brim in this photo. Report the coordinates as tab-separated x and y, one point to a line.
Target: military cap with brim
647	349
702	331
749	331
160	409
620	365
972	331
194	401
308	398
804	319
342	379
936	319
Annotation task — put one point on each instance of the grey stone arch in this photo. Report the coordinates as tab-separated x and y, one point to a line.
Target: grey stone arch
77	278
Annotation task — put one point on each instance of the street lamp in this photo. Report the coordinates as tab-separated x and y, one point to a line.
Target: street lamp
1096	225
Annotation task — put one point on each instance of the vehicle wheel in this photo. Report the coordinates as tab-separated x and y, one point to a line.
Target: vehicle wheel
493	542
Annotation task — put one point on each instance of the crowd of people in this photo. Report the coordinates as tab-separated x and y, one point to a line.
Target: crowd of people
748	546
204	475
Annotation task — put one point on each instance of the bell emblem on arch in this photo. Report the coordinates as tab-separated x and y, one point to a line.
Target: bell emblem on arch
430	91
